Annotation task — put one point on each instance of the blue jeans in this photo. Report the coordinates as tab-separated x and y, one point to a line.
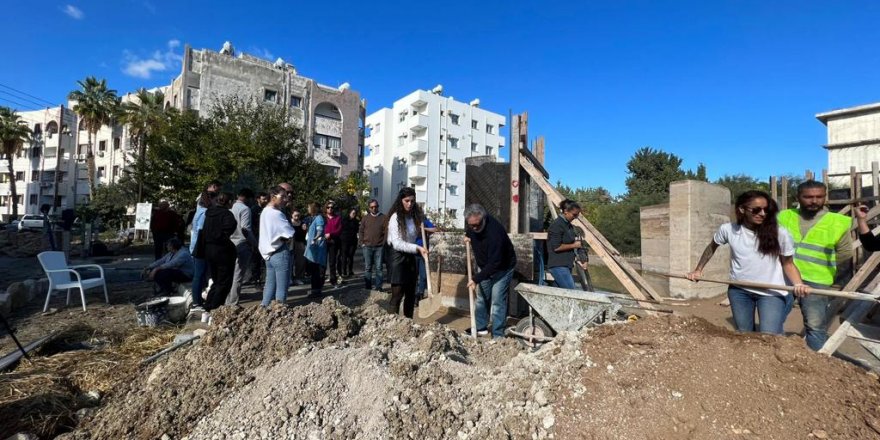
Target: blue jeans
772	310
200	280
493	293
277	277
373	266
814	308
422	285
562	276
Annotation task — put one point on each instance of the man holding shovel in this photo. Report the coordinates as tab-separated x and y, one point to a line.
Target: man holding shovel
496	260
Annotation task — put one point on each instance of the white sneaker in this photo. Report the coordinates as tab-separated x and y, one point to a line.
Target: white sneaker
206	317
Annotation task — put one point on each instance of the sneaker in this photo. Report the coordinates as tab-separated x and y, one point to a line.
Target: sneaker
298	282
206	318
196	308
480	331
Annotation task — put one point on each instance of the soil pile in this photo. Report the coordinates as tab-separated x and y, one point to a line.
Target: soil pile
683	378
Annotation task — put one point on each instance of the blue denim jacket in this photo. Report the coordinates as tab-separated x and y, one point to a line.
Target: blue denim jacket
316	246
198	222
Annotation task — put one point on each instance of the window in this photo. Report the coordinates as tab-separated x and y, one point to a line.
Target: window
402	117
474	147
270	96
490	129
375	191
33	199
453	118
376	129
453	166
116	143
474	124
453	189
4	177
450	213
453	142
102	146
489	151
324	141
4	200
115	171
82	148
101	172
19	176
296	101
36	152
64	176
401	140
35	176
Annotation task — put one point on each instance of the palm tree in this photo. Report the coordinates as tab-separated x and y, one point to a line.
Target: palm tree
142	116
96	105
14	132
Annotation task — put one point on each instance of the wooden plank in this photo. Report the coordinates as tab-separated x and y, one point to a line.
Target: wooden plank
825	181
774	193
609	255
783	202
864	332
539	150
518	142
856	316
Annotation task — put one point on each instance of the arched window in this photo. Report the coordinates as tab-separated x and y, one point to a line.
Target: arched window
328	110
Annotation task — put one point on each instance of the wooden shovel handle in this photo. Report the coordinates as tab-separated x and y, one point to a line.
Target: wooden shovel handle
813	290
427	262
467	246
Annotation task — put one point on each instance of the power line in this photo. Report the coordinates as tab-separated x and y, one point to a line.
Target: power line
22	107
27	94
39	104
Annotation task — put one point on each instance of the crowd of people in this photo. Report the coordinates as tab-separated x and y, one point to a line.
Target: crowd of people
233	242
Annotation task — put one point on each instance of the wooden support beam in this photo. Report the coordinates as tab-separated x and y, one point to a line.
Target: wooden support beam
626	274
539	150
518	141
774	193
783	202
857	314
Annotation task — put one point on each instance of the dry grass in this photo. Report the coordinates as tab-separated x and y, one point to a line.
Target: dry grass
43	395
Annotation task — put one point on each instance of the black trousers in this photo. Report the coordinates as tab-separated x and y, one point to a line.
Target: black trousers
334	249
405	293
349	247
165	278
317	277
221	263
159	240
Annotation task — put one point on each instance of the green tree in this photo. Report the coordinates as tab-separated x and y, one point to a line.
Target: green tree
110	203
14	132
96	106
651	171
143	115
740	183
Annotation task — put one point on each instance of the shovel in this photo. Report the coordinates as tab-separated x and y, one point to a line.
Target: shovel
471	293
432	302
813	291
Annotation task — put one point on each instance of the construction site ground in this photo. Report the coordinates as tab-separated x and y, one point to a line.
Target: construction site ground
345	368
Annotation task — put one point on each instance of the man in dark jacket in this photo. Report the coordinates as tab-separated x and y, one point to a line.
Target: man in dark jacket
496	260
372	238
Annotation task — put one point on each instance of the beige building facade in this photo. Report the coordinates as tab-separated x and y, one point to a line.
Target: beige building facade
853	141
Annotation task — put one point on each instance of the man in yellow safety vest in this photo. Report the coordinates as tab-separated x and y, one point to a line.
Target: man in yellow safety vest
823	245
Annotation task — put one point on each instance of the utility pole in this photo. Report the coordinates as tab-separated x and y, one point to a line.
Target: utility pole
58	161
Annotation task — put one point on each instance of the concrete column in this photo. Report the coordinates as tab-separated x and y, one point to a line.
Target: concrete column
696	210
654	228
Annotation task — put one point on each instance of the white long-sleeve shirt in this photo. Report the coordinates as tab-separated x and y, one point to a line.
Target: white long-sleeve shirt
275	230
403	244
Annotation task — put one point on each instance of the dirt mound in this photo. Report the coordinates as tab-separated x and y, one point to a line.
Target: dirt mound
683	378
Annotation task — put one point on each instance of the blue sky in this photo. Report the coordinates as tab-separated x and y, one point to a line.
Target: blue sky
732	84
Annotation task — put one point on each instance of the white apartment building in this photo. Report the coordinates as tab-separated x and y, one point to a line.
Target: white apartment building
853	141
422	142
36	165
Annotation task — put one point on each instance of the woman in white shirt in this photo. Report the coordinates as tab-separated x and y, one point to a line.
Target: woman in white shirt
760	251
404	219
275	233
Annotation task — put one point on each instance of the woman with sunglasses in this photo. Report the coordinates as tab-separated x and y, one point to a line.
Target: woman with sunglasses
760	251
404	219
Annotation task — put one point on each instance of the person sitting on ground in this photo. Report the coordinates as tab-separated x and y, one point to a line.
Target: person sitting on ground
174	267
496	258
760	251
562	244
404	219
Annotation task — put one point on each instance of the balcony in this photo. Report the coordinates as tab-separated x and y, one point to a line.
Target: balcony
417	122
416	147
417	173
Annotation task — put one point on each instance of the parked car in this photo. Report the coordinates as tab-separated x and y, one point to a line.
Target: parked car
12	226
30	222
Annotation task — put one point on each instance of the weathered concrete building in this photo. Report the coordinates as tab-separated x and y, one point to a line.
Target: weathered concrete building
332	119
61	150
422	141
853	141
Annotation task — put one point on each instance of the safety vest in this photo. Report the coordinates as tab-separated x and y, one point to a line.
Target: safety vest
815	255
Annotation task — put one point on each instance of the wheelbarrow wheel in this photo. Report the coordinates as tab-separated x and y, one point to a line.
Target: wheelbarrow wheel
532	326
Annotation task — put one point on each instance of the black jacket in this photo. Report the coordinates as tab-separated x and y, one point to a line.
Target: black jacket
870	242
493	249
214	235
560	232
350	227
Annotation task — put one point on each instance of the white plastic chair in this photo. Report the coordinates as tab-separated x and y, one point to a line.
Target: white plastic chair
58	272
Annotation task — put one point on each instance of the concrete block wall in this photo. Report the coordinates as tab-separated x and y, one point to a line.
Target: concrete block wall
675	234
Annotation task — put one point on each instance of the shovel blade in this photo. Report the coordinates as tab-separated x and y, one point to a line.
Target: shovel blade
429	306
